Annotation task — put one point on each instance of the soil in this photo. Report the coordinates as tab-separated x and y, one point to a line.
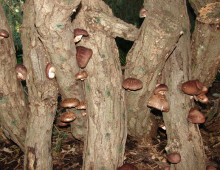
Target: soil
67	151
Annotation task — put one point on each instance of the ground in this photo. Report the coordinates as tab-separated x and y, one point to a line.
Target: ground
67	151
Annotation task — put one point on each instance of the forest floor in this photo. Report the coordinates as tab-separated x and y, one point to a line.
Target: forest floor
67	151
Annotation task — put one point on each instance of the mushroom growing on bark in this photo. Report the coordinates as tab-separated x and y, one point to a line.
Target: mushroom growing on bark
159	102
127	166
3	34
174	157
50	71
83	56
69	102
143	13
161	88
192	87
67	117
21	71
202	98
81	75
132	84
210	167
81	106
60	123
79	33
195	116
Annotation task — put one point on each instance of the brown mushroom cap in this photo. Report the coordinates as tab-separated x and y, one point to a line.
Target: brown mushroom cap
69	102
143	13
159	102
83	56
127	166
81	106
161	88
81	75
79	31
3	34
21	71
60	123
132	84
67	117
210	167
195	116
50	71
202	98
174	157
192	87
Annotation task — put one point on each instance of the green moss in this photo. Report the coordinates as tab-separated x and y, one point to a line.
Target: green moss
59	26
88	152
67	88
107	135
98	19
62	58
108	93
102	168
120	148
123	115
87	88
130	110
3	99
14	122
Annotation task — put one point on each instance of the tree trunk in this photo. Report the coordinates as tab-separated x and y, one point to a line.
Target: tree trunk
183	137
158	35
42	95
205	42
13	104
106	114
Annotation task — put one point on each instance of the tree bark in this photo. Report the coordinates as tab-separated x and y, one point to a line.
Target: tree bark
13	104
205	42
158	35
42	95
183	137
106	115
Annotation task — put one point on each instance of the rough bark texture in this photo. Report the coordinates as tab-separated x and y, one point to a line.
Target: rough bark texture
205	44
106	114
13	104
42	95
158	35
183	137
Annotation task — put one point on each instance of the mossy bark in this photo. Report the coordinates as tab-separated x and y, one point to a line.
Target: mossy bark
13	104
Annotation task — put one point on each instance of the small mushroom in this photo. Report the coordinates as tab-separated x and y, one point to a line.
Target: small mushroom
67	117
192	87
161	88
195	116
127	166
21	71
50	71
143	13
174	157
83	113
159	102
60	123
83	56
81	106
69	102
81	75
132	84
79	33
202	98
3	34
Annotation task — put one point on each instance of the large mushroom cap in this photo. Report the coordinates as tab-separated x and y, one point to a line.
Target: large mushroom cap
21	71
67	117
50	71
174	157
132	84
81	75
192	87
159	102
161	88
3	34
69	102
195	116
60	123
79	31
83	56
127	166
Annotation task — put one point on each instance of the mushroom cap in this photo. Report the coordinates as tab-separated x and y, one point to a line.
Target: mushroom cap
83	56
83	112
205	89
81	75
195	116
159	102
79	31
67	117
127	166
161	88
210	167
3	34
132	84
174	157
202	98
81	106
69	102
21	71
143	13
60	123
50	71
192	87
